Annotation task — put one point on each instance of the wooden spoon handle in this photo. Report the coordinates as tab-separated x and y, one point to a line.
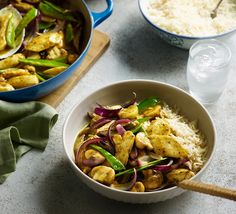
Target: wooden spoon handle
208	189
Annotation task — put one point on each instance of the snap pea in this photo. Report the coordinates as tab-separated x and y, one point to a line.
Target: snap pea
52	12
115	163
61	59
149	102
43	62
140	168
30	16
45	25
55	7
10	34
41	79
141	121
69	33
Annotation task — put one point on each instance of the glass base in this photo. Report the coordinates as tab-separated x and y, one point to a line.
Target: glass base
205	101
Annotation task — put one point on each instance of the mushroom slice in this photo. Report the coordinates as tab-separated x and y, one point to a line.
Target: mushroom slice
178	175
103	174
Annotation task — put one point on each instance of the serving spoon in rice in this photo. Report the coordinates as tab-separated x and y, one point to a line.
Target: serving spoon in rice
214	12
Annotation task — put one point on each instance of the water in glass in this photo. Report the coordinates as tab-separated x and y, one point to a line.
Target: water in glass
208	69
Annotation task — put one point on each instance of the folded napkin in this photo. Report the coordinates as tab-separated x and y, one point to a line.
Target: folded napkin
23	126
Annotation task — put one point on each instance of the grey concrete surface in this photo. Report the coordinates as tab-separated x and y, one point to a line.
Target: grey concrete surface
44	181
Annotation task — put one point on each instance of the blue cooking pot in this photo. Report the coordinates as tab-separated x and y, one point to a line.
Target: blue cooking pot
92	19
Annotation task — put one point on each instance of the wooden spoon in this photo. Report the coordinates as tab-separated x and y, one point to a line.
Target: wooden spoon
208	189
214	12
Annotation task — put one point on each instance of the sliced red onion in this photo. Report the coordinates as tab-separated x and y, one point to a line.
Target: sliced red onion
134	153
164	168
108	146
81	150
100	123
179	164
92	161
121	121
120	129
77	37
131	102
60	26
126	186
104	112
144	160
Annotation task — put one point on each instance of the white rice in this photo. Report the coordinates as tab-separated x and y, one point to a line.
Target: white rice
188	135
192	17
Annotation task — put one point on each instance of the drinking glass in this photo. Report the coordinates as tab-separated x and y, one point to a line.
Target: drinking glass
208	70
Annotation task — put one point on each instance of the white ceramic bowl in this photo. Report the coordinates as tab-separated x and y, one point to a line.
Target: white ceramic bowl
119	93
181	41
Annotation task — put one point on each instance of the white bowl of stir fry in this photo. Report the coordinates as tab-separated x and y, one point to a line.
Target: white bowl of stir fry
133	141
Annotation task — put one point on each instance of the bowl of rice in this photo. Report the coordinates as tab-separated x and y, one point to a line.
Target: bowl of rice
182	22
188	121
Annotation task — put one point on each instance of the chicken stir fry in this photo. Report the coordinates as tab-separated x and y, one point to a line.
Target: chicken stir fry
39	39
135	146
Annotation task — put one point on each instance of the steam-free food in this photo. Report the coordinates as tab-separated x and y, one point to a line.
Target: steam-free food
139	146
39	39
192	18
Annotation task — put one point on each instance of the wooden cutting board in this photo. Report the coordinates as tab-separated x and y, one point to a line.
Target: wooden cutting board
99	44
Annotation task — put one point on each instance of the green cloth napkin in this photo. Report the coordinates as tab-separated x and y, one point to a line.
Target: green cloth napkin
23	126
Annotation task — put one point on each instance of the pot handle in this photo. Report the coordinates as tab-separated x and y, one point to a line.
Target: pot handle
100	17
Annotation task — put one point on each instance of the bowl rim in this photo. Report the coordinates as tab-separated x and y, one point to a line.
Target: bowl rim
140	81
180	35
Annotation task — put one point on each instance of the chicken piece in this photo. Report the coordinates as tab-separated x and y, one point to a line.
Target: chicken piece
72	57
138	187
178	175
22	6
30	68
23	81
168	146
103	174
54	71
5	87
142	142
45	41
56	52
152	111
152	180
158	127
123	146
131	112
11	61
13	72
4	19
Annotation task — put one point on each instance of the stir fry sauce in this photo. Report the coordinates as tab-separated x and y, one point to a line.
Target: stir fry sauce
139	146
39	39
